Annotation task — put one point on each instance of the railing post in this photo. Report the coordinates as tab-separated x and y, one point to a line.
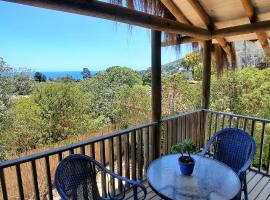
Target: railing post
156	90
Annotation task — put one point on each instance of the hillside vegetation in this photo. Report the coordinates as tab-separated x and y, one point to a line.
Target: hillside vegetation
35	113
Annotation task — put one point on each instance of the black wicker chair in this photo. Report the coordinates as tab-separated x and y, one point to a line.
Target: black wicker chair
75	179
234	147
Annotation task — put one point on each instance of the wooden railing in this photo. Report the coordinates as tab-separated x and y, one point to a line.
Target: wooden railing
129	152
126	152
177	128
258	128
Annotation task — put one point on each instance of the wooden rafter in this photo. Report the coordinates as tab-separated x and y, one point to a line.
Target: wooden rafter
241	29
118	13
210	25
176	12
262	37
182	40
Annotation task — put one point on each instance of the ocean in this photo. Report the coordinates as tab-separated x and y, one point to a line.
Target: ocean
74	74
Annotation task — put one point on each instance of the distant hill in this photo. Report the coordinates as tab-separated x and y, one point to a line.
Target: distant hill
175	66
168	68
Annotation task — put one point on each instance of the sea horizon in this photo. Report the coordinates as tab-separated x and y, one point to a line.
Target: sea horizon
77	75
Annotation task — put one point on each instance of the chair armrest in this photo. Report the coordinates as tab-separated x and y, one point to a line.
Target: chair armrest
207	147
134	184
245	167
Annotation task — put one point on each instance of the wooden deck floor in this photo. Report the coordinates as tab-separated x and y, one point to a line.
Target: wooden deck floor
258	188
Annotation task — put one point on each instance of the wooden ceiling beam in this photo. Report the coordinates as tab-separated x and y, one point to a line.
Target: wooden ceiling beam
210	25
252	15
118	13
182	40
241	29
180	17
175	11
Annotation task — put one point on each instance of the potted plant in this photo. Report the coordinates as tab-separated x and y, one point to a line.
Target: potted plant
186	162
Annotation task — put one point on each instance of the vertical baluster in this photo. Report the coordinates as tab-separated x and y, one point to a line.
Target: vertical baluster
82	150
166	146
119	160
3	184
176	130
34	179
92	150
189	127
202	129
60	156
19	182
179	132
245	124
170	142
127	171
133	155
261	146
184	127
210	126
103	175
223	121
151	144
146	148
252	127
216	123
111	162
230	121
48	177
237	122
140	154
198	128
71	151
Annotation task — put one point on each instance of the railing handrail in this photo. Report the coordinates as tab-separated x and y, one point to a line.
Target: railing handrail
236	115
57	150
180	115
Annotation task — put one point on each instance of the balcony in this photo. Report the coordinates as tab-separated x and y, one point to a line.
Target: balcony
129	153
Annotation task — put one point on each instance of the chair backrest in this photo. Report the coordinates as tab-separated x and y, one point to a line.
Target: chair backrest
75	178
233	147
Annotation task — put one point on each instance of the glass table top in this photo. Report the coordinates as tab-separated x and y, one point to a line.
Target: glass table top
211	179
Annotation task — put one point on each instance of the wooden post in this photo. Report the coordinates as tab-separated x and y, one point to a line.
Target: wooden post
206	74
156	89
206	85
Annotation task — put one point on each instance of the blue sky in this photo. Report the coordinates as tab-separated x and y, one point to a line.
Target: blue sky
47	40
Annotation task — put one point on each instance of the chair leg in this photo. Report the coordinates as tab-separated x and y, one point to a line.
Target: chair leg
245	186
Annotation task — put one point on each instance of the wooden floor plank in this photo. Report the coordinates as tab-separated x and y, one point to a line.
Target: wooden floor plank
253	182
250	175
265	192
258	188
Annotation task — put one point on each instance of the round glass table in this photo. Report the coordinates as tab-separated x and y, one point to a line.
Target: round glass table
211	179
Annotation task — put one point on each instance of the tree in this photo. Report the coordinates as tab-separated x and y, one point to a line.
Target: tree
133	105
191	62
63	110
86	73
40	77
103	89
178	95
66	79
23	82
6	91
